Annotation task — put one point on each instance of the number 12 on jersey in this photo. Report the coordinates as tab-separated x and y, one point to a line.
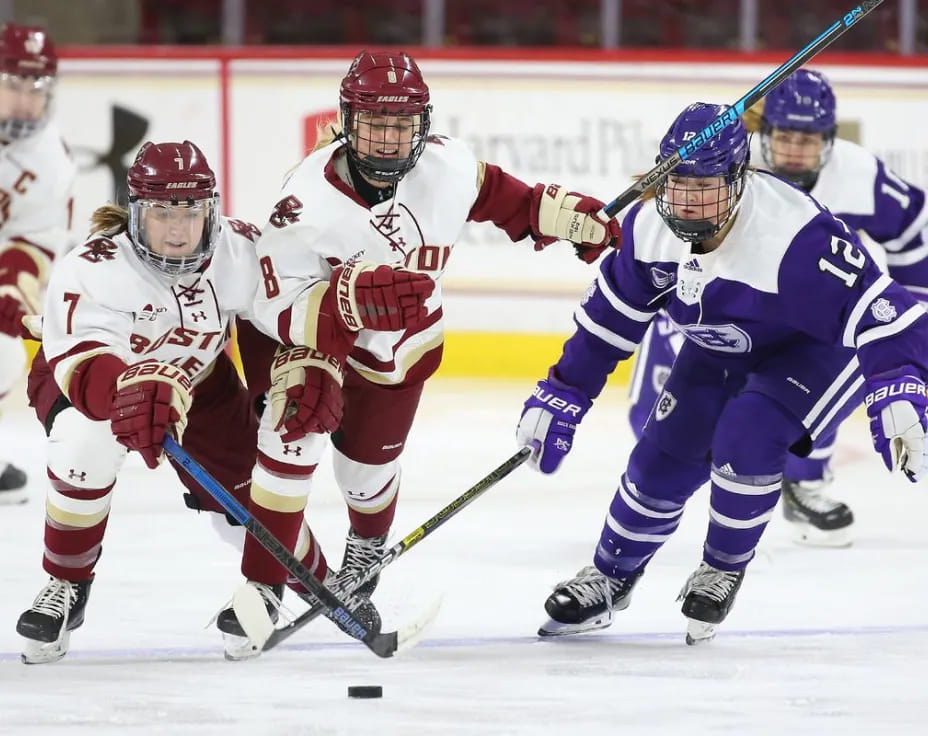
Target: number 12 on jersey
852	256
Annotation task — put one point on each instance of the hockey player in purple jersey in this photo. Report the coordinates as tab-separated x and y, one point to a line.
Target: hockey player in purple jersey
798	143
788	324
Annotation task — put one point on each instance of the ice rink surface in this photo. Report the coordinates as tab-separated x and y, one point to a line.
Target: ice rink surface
820	640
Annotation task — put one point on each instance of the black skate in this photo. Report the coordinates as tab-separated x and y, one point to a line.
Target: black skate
360	552
586	602
359	604
259	605
816	519
12	486
57	610
707	598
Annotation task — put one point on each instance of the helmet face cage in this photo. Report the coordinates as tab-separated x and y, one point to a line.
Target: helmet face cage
799	114
385	114
25	105
155	222
703	192
370	135
28	65
173	207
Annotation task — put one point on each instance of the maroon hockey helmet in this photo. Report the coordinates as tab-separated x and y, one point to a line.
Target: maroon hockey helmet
388	89
28	65
173	180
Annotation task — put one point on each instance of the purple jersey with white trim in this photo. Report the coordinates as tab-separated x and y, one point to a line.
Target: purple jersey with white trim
786	272
861	190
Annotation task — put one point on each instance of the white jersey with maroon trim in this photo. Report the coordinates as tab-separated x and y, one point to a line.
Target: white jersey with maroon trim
102	298
320	223
37	177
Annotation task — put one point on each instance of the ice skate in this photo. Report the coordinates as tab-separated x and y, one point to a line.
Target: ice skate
249	619
816	519
360	552
12	486
359	604
586	602
707	598
57	610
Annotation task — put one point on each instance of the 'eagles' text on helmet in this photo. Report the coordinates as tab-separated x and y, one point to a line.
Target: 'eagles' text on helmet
172	183
724	155
804	102
385	110
28	65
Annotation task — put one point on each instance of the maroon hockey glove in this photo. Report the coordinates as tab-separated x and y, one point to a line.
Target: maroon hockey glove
380	297
19	290
306	393
150	400
557	214
11	316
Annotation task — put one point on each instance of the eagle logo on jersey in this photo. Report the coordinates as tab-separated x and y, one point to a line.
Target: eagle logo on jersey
286	212
99	249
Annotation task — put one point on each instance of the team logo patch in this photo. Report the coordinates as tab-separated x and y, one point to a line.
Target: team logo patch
661	278
883	311
590	290
665	405
721	338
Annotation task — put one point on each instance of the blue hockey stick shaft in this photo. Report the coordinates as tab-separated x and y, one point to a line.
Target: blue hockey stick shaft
382	644
777	76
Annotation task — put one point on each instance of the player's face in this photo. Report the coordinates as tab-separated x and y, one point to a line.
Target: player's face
385	136
697	198
794	151
23	98
174	230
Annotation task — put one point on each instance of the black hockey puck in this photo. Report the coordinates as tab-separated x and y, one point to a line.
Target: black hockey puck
365	691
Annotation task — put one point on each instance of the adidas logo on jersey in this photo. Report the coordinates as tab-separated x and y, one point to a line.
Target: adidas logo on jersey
692	266
727	469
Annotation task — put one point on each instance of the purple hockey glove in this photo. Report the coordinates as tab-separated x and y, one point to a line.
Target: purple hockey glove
896	403
549	420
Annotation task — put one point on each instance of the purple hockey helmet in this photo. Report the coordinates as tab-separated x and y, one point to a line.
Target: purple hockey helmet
725	155
804	102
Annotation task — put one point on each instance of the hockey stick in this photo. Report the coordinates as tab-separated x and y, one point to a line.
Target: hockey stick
381	644
728	117
405	544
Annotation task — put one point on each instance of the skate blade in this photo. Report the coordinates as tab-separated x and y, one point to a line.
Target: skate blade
45	652
811	536
556	628
238	648
699	632
14	498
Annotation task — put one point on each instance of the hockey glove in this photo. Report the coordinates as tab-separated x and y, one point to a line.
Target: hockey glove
19	291
305	393
557	214
896	404
380	297
150	400
549	420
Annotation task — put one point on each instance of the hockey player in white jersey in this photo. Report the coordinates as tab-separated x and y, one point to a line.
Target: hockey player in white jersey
136	324
798	143
36	179
351	262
